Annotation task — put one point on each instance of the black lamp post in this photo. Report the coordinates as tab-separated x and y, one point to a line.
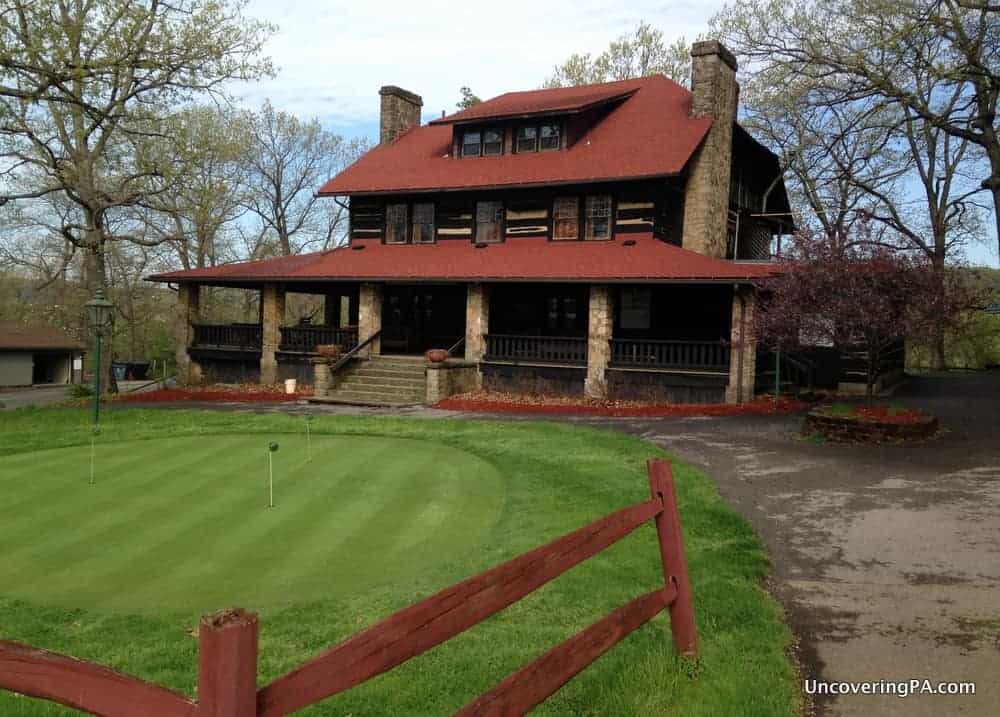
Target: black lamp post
99	318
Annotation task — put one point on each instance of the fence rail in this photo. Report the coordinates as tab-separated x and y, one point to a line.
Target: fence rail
648	353
229	640
571	351
305	339
245	337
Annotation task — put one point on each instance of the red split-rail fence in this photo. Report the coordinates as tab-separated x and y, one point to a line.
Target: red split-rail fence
227	672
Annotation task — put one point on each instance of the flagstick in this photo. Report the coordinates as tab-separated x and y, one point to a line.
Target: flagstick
309	453
270	481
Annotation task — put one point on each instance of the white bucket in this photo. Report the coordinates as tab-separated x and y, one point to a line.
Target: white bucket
290	385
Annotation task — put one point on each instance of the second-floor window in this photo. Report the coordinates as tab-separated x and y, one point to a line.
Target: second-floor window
395	224
566	218
598	217
489	222
535	138
485	142
423	223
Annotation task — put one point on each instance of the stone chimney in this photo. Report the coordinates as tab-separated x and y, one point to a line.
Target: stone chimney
714	92
400	111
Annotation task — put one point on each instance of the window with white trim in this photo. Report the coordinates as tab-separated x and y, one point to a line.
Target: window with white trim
598	217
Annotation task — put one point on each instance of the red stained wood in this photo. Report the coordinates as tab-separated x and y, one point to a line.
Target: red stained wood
85	686
668	528
227	664
440	617
533	683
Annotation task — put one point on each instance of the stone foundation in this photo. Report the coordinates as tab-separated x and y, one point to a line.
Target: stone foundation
451	377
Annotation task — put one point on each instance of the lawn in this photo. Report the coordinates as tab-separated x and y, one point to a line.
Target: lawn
386	512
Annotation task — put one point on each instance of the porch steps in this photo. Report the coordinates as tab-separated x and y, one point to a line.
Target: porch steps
382	381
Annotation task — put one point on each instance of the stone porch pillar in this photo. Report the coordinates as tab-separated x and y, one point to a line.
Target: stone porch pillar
188	312
477	321
272	302
601	319
370	315
743	354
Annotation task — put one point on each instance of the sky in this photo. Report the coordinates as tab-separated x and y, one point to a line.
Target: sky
332	56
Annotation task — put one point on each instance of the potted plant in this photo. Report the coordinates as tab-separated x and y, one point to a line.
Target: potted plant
437	355
330	351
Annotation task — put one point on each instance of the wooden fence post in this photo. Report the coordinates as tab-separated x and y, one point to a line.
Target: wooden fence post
668	528
227	664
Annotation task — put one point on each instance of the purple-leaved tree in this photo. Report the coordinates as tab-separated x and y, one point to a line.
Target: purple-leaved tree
850	293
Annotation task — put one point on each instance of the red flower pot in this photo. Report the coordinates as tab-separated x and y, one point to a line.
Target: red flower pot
437	355
328	350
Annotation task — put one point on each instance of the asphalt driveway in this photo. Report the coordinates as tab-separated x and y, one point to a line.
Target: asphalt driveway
887	558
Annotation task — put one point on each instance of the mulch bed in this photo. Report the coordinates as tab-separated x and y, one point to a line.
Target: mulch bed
869	424
549	405
243	393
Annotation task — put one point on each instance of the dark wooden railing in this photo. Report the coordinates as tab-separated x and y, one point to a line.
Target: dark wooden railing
353	352
305	339
571	351
245	337
229	640
691	355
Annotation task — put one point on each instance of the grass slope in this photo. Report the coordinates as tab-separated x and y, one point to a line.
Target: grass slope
553	478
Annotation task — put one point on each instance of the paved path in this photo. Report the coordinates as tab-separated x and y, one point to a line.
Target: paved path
11	398
886	558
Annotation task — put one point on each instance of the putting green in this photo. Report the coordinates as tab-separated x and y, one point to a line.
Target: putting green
183	523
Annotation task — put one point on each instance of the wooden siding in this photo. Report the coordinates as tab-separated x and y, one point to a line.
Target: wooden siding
638	207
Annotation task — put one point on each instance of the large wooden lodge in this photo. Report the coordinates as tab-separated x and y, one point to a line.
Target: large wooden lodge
599	240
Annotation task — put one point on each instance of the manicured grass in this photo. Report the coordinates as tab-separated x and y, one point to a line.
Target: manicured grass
387	512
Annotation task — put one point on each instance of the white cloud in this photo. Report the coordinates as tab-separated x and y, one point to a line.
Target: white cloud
333	56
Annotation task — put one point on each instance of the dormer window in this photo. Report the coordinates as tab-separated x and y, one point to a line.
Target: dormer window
482	143
527	139
472	144
535	138
492	142
548	137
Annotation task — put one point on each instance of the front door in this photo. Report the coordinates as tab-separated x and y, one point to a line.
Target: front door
416	318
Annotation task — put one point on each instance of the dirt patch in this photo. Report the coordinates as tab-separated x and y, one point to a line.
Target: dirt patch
242	393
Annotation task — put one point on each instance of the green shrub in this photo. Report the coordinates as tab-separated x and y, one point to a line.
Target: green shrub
81	390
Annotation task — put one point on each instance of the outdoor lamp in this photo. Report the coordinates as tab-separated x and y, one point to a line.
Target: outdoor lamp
99	318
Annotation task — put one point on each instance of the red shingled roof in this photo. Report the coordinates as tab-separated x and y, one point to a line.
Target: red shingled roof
520	259
648	135
536	102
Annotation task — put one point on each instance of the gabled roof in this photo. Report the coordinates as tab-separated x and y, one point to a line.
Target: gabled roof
648	134
638	257
541	102
18	337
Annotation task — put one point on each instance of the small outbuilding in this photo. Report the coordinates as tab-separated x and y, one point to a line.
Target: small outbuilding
31	355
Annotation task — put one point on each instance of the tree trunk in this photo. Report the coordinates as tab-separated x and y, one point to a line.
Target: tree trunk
937	352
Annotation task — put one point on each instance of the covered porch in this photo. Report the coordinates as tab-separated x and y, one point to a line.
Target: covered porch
673	342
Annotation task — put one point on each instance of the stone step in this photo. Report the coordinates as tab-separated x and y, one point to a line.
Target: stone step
376	372
380	398
387	383
395	365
